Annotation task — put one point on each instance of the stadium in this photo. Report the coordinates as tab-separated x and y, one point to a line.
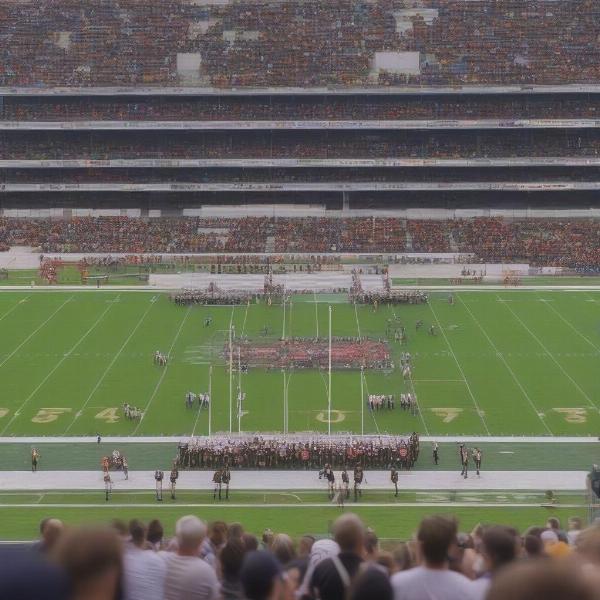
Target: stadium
283	281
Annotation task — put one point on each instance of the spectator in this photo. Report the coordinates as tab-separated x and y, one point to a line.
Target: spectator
50	533
553	524
231	558
283	549
403	557
27	576
143	570
553	547
371	546
541	580
372	582
333	576
574	530
188	576
533	546
261	577
267	539
250	542
499	549
433	579
214	541
93	561
155	534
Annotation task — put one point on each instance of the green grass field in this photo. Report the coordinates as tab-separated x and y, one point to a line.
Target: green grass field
21	513
502	363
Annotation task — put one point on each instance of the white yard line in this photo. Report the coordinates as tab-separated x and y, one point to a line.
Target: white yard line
164	372
245	317
549	305
348	504
512	373
55	368
34	332
108	368
470	439
412	387
357	321
479	412
19	302
547	351
316	311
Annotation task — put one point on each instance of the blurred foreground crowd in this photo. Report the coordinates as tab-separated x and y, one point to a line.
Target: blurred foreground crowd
225	562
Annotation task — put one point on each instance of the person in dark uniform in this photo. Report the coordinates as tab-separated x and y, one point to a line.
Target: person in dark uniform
464	460
35	457
358	479
217	480
436	453
477	459
173	478
329	475
107	485
346	483
226	478
158	477
394	480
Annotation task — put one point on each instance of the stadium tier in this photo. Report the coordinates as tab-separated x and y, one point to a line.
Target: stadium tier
299	44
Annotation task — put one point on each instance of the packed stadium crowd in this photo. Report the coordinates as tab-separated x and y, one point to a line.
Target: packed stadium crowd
295	452
573	243
330	108
457	143
297	43
220	561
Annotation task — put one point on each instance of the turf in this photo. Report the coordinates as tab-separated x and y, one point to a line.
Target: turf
502	363
391	523
497	456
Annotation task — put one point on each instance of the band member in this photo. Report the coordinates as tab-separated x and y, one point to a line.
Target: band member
105	463
394	480
358	478
432	330
173	478
464	460
107	485
158	477
477	459
125	467
226	478
436	453
451	299
329	475
346	483
35	457
218	481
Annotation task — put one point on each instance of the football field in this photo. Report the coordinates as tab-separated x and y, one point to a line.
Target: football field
501	363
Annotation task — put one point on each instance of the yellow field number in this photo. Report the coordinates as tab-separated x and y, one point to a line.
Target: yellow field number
447	414
47	415
573	415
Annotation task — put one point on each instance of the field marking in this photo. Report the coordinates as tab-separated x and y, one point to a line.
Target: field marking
56	366
245	317
438	381
108	368
316	311
54	369
573	327
543	346
295	506
479	411
34	332
164	372
14	307
412	387
501	357
357	321
363	400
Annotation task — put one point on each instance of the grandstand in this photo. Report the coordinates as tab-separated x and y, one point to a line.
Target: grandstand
215	183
